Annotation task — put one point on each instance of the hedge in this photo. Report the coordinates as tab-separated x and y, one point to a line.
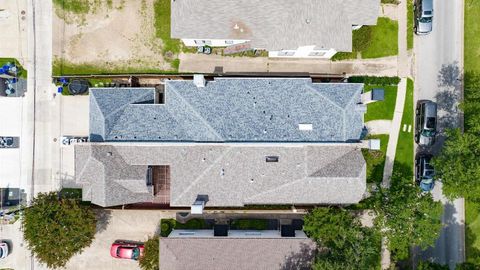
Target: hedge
374	80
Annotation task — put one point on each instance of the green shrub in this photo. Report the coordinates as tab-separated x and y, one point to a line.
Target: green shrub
166	227
249	224
374	80
150	258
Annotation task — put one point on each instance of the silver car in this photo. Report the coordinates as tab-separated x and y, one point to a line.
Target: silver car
3	250
426	122
423	11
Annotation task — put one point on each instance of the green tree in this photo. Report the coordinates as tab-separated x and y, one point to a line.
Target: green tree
343	242
150	258
57	228
458	165
407	216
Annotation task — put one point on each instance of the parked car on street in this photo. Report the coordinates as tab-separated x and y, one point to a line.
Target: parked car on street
425	122
424	172
3	250
423	12
127	250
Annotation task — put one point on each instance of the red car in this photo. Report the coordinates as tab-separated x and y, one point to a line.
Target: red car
126	250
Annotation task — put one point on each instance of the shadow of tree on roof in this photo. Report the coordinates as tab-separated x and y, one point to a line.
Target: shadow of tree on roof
301	260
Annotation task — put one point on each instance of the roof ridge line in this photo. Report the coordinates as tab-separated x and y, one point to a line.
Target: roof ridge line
323	96
123	106
206	124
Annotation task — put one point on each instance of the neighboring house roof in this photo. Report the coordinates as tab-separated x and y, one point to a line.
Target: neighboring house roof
230	174
274	24
229	110
236	253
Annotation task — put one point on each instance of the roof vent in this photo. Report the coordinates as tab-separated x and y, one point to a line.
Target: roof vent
109	154
271	158
199	80
305	126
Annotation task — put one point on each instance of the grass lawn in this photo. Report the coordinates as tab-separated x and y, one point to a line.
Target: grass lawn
404	152
249	224
472	232
410	24
472	35
376	159
472	63
61	67
171	47
373	41
74	6
384	39
382	109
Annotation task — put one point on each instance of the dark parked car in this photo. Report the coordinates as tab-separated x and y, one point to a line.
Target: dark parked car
425	122
424	172
126	250
423	12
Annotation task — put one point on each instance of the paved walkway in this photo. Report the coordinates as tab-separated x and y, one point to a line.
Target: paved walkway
379	126
391	149
209	63
404	70
390	11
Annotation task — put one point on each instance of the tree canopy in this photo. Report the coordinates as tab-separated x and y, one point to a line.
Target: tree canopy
343	242
56	228
407	216
150	258
458	164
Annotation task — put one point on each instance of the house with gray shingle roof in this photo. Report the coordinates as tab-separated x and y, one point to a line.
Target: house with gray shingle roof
242	250
229	142
230	175
230	110
301	28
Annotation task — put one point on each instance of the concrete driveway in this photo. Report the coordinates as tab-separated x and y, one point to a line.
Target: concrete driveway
19	257
74	115
438	74
135	225
13	22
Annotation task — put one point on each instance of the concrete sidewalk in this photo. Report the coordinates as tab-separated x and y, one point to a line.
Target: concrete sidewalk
394	131
201	63
390	156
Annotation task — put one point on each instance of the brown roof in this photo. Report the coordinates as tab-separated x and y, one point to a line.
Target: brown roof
236	253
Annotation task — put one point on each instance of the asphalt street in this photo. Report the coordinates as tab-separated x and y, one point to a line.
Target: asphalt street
438	77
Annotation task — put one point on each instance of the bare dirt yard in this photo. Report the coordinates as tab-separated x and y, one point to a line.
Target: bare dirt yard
112	35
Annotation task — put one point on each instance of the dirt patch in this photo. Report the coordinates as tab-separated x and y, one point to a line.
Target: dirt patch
117	34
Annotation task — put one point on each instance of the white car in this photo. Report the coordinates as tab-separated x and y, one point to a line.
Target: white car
3	250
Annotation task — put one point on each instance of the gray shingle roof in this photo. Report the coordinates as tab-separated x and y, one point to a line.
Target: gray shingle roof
229	109
115	174
236	253
274	24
